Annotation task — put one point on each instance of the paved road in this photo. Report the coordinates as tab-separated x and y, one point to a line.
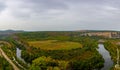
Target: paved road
10	61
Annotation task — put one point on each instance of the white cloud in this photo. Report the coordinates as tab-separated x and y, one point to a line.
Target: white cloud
59	14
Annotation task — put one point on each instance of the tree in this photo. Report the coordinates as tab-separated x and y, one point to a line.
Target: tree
42	63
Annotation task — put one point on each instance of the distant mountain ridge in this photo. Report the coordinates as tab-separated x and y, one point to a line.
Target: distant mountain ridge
100	33
10	31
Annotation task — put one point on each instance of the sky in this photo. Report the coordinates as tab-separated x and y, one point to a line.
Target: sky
59	15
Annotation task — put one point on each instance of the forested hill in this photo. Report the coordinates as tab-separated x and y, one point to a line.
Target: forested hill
6	33
69	34
10	31
100	33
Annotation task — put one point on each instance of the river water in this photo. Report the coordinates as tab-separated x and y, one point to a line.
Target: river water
106	56
18	54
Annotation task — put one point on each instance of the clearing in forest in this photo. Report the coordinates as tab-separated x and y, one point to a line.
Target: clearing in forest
55	45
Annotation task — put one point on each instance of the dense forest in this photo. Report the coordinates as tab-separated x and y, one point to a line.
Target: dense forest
4	65
112	45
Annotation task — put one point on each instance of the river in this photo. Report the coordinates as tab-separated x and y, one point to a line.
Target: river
18	54
106	56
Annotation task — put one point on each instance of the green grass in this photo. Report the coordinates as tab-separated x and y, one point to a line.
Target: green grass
55	45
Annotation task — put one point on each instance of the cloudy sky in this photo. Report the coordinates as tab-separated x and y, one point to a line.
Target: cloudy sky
52	15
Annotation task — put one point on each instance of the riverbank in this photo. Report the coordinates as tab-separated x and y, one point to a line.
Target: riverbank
10	61
108	63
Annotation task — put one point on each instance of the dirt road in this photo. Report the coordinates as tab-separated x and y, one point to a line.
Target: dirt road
10	61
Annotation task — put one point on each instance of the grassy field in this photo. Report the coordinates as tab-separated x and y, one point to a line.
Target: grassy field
55	45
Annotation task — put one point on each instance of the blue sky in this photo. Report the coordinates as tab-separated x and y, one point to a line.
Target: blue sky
53	15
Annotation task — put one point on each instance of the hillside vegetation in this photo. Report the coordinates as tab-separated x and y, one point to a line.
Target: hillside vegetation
59	51
4	65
